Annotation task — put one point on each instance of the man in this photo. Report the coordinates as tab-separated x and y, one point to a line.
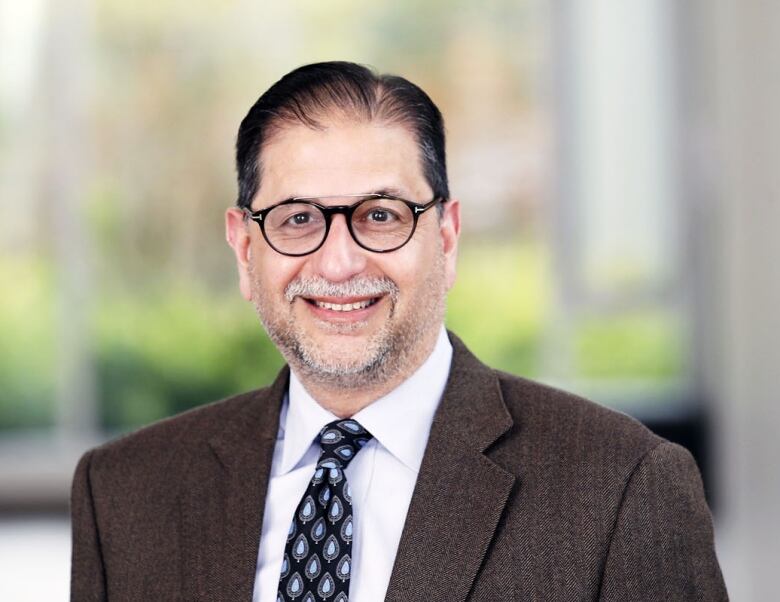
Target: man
387	462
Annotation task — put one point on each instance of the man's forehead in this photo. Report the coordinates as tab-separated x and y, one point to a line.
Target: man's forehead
342	157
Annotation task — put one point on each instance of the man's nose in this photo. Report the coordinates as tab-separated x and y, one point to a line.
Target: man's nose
339	258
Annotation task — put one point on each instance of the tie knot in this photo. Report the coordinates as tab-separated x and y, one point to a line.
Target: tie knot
340	441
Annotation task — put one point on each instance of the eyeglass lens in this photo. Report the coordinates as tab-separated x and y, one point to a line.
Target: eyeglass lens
378	224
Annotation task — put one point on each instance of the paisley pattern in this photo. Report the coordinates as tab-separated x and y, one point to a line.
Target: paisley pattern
346	529
331	549
317	563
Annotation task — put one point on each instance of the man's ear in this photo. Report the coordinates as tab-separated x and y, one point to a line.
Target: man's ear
237	235
449	225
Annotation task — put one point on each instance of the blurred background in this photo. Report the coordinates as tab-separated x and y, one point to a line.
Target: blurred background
617	165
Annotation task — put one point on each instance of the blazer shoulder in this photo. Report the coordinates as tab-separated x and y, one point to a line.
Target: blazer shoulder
172	440
567	424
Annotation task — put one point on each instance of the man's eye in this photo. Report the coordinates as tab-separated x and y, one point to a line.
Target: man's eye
381	216
299	219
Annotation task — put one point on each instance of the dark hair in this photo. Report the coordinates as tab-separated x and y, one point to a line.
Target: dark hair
345	89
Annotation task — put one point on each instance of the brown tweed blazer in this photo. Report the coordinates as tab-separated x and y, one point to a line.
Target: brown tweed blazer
525	493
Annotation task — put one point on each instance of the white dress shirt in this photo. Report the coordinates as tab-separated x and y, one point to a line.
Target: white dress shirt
382	476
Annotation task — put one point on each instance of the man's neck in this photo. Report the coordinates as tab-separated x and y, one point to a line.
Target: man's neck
345	402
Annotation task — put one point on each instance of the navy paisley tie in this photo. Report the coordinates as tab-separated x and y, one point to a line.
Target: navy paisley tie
317	563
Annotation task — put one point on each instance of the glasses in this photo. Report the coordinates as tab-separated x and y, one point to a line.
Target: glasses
380	223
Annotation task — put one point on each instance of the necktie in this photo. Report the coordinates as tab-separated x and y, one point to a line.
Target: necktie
317	562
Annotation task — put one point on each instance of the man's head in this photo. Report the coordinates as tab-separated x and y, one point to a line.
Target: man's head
345	317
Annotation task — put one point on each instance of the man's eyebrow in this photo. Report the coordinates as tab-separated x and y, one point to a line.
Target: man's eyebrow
390	191
384	190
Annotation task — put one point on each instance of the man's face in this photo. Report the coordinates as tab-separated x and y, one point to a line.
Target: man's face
301	300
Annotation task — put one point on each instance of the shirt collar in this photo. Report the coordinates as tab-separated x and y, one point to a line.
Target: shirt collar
303	421
400	421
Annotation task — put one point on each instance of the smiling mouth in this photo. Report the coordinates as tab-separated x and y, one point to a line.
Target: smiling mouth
343	307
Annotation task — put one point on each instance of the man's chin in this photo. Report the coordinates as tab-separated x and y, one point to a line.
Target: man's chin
347	360
345	374
341	354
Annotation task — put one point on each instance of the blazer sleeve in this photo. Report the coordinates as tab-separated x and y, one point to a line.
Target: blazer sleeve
88	580
662	545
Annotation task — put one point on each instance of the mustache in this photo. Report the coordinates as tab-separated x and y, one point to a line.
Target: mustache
360	286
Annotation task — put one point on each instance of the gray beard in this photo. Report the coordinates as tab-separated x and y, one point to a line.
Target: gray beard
300	351
375	368
389	352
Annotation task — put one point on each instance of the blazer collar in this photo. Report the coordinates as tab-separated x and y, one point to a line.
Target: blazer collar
460	493
223	500
252	430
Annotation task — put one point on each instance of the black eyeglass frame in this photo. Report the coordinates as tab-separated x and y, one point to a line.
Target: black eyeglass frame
328	211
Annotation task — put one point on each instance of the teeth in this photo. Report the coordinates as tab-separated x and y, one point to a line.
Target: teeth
345	306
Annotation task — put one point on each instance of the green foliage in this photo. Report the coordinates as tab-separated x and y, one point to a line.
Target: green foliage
499	302
26	345
639	344
164	354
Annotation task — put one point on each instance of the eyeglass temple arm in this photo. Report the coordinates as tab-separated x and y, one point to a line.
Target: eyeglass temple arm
249	214
423	208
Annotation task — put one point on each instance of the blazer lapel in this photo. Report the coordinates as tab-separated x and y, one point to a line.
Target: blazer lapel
460	493
223	500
